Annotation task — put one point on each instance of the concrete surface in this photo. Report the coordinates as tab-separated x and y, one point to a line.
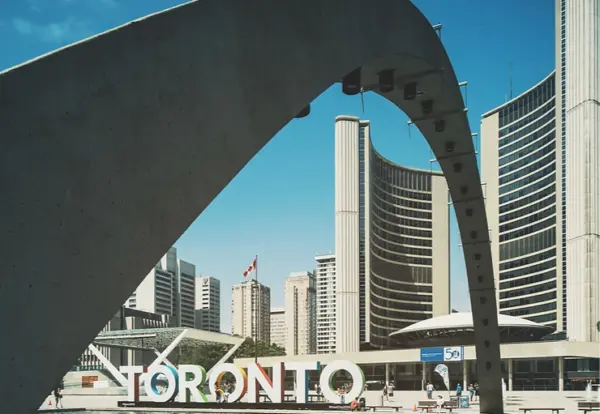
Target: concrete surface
114	145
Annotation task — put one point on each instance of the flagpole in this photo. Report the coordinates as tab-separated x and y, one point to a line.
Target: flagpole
257	309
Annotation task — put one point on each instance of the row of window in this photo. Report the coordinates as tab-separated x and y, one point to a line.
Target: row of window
534	243
399	176
539	205
523	156
395	225
523	183
399	259
537	160
530	290
399	248
398	200
531	188
530	300
399	239
385	205
521	312
399	191
529	200
528	102
524	261
528	139
533	121
376	289
511	276
527	220
401	277
528	230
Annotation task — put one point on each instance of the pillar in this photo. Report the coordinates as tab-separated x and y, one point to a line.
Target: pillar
424	376
510	374
387	373
561	373
465	374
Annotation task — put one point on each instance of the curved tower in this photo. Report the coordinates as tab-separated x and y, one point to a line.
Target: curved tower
522	181
389	222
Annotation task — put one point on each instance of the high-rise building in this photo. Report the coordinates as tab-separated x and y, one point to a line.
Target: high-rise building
208	304
168	289
251	311
389	221
522	182
278	327
544	207
578	41
300	314
326	314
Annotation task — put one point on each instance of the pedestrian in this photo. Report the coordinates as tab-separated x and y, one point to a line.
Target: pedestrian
58	398
476	386
429	390
471	392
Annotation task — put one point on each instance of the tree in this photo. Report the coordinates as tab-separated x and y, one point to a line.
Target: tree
248	350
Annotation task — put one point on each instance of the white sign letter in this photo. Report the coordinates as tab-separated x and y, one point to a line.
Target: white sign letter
133	381
170	375
273	387
193	385
327	376
302	378
241	381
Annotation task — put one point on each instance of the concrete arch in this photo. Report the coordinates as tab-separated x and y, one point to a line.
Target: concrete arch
114	145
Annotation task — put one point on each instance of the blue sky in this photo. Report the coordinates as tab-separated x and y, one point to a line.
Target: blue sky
280	207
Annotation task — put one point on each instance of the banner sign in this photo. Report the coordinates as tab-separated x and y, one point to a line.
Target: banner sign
187	381
443	371
448	354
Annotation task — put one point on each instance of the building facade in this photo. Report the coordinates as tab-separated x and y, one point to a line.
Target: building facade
278	327
208	304
541	168
326	310
168	289
578	62
251	311
300	314
521	172
389	221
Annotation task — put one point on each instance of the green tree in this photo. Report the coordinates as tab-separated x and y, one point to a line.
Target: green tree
262	349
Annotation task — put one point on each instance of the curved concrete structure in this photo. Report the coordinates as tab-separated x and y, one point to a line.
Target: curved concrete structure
113	146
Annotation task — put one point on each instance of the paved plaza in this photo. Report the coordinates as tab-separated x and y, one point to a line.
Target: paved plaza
406	399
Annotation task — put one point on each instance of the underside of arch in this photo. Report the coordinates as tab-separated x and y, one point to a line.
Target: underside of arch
114	145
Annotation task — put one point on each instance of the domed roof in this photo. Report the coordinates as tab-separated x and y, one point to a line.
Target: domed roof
459	326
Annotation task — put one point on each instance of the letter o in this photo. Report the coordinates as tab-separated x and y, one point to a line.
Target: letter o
358	381
241	380
172	381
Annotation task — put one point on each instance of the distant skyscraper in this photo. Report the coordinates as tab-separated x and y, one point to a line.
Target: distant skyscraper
247	298
326	315
278	327
208	304
168	289
300	314
391	241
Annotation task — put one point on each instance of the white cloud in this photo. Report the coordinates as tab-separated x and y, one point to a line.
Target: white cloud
55	32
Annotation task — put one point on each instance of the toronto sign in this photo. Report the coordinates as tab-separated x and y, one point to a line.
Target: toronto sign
186	382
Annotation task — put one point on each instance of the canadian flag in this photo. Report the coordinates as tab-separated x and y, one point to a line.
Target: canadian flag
250	268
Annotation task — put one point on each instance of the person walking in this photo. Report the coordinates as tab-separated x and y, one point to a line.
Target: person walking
429	390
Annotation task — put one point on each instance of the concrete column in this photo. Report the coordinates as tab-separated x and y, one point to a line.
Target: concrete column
465	374
424	376
561	373
510	374
387	373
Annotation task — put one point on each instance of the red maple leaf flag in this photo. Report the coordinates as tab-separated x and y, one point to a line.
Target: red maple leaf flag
250	268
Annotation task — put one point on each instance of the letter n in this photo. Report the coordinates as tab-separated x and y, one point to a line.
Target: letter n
273	387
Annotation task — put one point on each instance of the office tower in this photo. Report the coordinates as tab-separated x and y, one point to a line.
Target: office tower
168	289
548	263
251	311
300	314
578	41
278	327
208	304
326	315
389	221
522	182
